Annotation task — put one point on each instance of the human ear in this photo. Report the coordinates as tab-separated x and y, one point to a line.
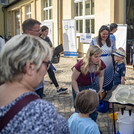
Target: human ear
29	68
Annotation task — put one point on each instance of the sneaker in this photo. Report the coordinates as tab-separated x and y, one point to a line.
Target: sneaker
51	82
62	90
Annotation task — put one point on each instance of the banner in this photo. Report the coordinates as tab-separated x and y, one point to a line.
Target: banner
121	36
69	34
50	32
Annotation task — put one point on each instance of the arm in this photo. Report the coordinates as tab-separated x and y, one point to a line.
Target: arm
113	41
50	44
123	80
75	76
49	41
101	79
123	71
113	47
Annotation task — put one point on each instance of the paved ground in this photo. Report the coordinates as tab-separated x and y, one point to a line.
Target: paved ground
64	103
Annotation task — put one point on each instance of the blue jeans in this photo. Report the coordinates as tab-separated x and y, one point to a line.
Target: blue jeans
95	113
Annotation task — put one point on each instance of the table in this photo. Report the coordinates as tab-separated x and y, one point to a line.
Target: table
107	98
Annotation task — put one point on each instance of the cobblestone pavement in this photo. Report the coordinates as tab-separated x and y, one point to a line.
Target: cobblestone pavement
64	102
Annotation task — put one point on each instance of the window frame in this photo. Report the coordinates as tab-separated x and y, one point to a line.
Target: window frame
29	13
84	17
17	18
47	9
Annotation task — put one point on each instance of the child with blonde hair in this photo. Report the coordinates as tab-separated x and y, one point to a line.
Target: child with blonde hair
120	68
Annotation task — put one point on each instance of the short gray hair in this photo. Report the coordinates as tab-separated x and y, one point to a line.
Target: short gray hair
19	50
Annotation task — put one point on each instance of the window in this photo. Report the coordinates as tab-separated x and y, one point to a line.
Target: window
28	11
17	22
89	28
89	7
79	26
47	9
84	16
78	9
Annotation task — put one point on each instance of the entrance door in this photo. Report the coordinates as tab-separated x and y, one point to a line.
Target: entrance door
130	28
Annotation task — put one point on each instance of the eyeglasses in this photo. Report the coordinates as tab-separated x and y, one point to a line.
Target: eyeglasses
36	30
46	31
47	64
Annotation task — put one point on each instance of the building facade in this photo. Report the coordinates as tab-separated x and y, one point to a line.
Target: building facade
90	15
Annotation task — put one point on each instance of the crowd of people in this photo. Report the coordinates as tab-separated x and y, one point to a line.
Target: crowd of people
24	61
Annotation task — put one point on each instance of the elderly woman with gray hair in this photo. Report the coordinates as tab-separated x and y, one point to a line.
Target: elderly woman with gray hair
23	63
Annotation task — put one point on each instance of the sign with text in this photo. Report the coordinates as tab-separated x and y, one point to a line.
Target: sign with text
85	38
69	34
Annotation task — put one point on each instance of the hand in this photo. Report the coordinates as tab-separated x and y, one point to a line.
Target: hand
76	92
100	93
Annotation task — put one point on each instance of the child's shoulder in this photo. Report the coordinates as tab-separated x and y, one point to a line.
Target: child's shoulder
73	115
122	64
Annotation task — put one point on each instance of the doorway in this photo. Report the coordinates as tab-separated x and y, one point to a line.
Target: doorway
130	29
